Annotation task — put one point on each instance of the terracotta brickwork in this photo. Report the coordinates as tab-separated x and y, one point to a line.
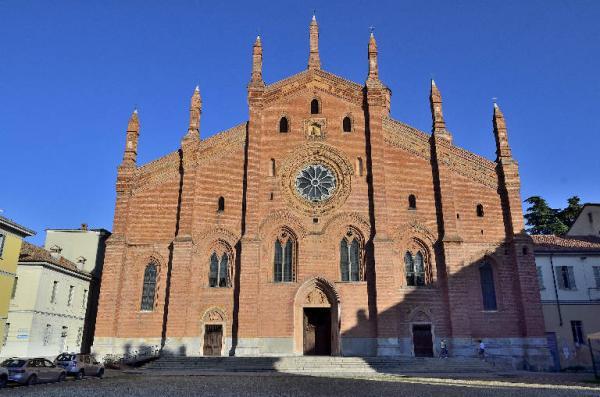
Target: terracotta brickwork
168	212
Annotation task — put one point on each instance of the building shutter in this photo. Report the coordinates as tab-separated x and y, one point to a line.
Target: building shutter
571	276
558	270
597	275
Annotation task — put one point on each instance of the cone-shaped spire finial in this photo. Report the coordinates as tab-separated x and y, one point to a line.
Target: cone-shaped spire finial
195	111
131	140
437	115
257	62
501	135
314	62
373	67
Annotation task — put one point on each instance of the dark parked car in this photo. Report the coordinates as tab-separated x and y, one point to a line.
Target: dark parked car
30	371
80	365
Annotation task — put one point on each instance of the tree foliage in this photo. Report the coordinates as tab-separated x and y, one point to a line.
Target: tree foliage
542	219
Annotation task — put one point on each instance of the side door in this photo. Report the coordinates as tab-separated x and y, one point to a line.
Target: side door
36	367
50	370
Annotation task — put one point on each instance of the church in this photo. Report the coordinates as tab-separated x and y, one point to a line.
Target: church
320	226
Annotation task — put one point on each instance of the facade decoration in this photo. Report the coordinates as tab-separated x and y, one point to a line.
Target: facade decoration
320	199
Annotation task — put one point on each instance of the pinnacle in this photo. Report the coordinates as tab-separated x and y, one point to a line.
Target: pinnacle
314	17
197	89
135	111
433	83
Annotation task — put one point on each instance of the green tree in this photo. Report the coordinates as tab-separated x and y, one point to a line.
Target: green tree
542	219
569	214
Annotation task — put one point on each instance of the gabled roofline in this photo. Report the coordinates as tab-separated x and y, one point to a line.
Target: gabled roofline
15	228
582	208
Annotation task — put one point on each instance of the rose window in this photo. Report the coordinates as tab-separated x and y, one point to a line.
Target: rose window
315	182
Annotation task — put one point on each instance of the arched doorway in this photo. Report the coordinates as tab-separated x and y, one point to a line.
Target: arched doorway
317	319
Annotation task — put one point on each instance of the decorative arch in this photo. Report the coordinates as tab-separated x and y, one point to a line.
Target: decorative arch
214	315
150	280
414	249
285	255
271	224
204	238
311	153
340	221
317	292
221	263
352	255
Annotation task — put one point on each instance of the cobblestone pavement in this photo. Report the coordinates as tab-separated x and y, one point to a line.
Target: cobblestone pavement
122	384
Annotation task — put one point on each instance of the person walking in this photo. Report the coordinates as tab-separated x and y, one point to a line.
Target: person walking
481	349
443	349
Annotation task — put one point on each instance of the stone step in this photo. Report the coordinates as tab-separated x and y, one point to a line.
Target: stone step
319	364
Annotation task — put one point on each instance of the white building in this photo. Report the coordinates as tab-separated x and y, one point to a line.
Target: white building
569	279
587	223
47	311
85	247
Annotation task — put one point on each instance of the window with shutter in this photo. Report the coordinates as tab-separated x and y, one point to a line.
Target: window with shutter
571	276
559	277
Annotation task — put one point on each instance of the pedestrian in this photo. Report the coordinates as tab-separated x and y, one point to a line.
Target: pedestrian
443	349
481	349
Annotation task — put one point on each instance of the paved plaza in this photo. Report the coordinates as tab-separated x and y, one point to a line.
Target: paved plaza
132	384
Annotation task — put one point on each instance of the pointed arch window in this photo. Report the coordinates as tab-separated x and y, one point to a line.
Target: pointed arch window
414	268
488	290
284	262
351	266
219	270
347	124
315	107
284	124
149	287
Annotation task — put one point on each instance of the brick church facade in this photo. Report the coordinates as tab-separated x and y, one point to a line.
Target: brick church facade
320	226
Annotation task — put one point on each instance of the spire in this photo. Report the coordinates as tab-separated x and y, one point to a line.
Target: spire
133	132
502	147
437	116
314	62
195	111
373	68
257	62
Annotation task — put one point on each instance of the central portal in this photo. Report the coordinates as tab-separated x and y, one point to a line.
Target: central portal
317	331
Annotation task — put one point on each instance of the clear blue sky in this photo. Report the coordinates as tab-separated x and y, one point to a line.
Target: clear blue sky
72	71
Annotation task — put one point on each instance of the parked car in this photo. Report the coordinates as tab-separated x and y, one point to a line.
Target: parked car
80	365
3	377
30	371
